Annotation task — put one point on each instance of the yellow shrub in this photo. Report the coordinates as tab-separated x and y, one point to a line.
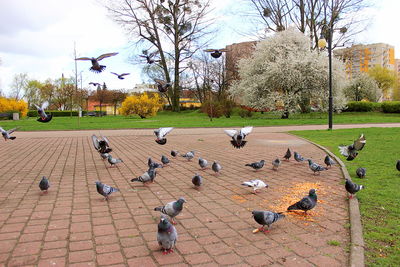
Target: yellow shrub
144	105
11	105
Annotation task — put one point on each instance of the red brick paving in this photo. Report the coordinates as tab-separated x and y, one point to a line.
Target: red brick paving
72	224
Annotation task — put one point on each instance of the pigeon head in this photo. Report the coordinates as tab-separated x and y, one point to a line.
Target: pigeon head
161	141
262	161
312	192
266	186
109	156
181	200
164	224
310	161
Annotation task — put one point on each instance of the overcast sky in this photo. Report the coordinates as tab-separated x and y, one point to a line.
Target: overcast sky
37	37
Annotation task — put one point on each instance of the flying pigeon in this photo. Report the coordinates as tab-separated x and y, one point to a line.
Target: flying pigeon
6	134
315	167
275	164
216	167
203	163
44	184
146	177
298	157
351	151
166	236
105	190
149	56
287	155
172	209
164	160
266	218
174	153
197	180
120	76
101	145
361	172
161	134
113	161
239	136
152	164
329	161
96	67
162	86
256	184
352	188
256	165
189	155
95	84
216	53
398	165
43	116
306	203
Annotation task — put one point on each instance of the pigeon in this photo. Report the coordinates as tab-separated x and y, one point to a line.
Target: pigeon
43	116
298	157
105	190
203	163
44	184
166	236
216	167
174	153
104	155
275	164
96	67
162	86
287	155
256	165
101	145
266	218
361	172
239	136
149	56
6	134
189	155
256	184
197	180
153	164
352	188
398	165
351	151
306	203
113	161
164	160
146	177
216	53
120	76
95	84
315	167
329	161
172	209
161	133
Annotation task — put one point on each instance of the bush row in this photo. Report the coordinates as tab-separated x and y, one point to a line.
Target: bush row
364	106
66	113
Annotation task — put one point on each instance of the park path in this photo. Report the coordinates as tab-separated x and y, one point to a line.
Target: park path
73	226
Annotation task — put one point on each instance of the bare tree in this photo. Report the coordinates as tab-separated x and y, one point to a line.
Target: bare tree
160	24
18	85
116	97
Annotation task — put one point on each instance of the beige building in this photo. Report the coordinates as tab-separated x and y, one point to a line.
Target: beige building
397	66
360	58
234	53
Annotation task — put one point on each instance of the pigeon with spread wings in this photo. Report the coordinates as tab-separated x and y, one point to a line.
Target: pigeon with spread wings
101	145
149	56
161	134
239	136
216	53
351	151
6	134
96	67
43	116
162	86
120	76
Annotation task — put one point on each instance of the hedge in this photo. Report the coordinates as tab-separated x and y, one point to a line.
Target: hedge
391	106
64	113
363	106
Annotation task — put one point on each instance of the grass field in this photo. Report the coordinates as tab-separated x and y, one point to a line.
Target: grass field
380	200
195	119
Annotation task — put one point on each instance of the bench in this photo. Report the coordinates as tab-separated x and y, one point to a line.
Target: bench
5	116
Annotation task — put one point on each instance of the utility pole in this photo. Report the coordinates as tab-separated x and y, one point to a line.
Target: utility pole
76	82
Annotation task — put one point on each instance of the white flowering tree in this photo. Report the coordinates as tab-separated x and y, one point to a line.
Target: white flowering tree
283	72
363	86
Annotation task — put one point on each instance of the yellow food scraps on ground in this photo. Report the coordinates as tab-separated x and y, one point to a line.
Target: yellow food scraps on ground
239	199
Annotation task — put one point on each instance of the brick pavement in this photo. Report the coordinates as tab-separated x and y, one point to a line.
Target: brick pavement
72	225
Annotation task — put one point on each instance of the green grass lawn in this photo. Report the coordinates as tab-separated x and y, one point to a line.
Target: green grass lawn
380	200
192	118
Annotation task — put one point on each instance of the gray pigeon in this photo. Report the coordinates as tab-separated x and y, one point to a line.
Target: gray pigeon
189	155
120	76
113	161
266	218
164	160
239	136
104	155
172	209
329	161
352	188
146	177
166	236
298	157
153	164
306	203
398	165
161	134
105	190
197	180
316	168
43	116
174	153
361	172
96	67
44	184
275	164
162	85
216	167
102	145
351	151
203	163
256	165
287	155
6	134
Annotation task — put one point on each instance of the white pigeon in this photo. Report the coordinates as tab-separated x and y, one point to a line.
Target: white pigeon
256	184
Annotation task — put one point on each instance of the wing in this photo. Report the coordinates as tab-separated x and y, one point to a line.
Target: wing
249	183
106	140
2	130
106	55
124	74
160	81
165	131
210	50
45	105
246	130
231	133
152	54
305	203
344	151
12	130
114	73
83	58
360	142
95	142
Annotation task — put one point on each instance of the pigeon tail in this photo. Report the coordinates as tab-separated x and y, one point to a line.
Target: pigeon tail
138	179
98	70
12	137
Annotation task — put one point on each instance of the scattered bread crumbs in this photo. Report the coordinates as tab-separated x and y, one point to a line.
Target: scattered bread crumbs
239	199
